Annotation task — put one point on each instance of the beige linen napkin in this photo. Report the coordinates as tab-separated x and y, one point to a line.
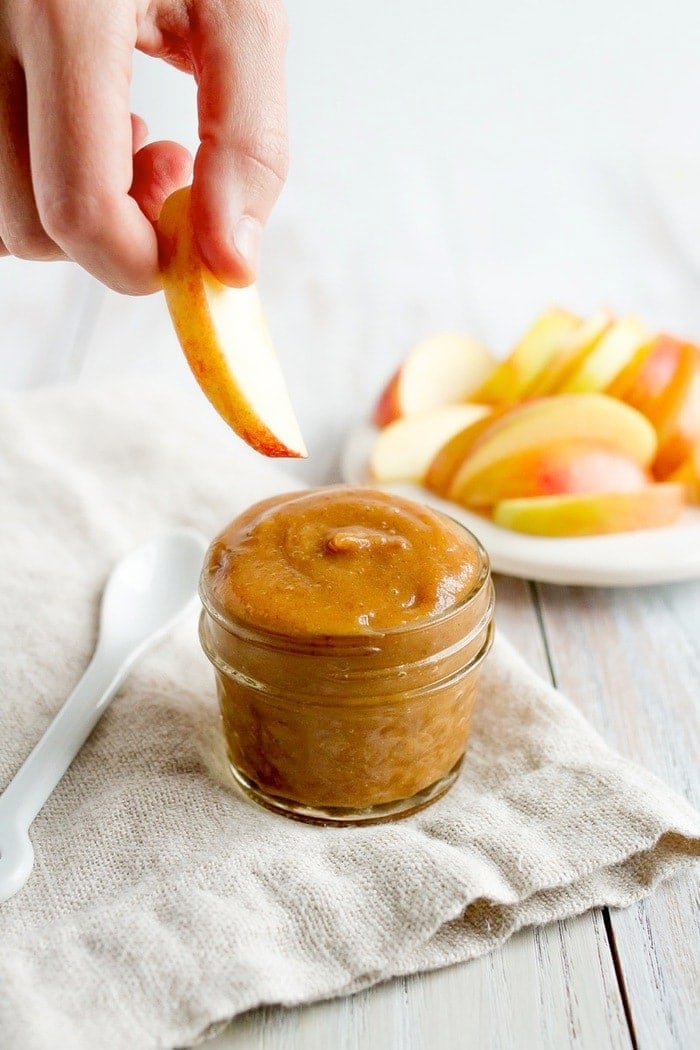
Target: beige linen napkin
162	902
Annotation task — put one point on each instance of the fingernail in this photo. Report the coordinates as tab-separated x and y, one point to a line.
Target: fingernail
246	240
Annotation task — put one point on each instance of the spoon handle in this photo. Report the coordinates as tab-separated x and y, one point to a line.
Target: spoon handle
45	765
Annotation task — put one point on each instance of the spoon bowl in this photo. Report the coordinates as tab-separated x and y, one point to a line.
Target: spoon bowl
148	590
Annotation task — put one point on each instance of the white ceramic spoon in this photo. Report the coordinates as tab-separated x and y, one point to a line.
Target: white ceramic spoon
147	592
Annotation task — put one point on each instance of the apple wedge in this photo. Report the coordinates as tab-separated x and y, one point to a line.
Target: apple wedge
688	475
556	469
606	358
533	425
574	348
592	513
510	379
448	459
648	371
405	448
676	414
442	370
225	338
665	387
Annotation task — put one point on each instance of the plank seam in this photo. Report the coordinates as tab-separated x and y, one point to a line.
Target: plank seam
538	604
617	963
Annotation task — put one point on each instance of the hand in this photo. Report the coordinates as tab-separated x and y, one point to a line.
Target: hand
76	180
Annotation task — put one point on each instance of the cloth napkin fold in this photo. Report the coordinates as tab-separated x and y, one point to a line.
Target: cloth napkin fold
162	902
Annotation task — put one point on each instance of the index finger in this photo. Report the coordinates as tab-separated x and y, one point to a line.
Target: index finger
77	64
240	167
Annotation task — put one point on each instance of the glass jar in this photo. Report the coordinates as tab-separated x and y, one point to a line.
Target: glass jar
351	730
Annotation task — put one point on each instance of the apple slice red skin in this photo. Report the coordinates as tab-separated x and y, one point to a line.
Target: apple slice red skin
206	361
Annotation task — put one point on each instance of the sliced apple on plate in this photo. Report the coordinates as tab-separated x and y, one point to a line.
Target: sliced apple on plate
574	348
592	513
555	469
405	448
688	475
441	370
648	371
606	358
449	458
226	341
678	424
664	384
533	425
508	382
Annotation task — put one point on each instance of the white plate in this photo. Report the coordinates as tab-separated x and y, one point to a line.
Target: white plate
629	558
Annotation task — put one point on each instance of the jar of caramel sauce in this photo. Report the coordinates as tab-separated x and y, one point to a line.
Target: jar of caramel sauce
346	628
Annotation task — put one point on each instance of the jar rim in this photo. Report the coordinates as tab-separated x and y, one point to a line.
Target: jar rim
272	638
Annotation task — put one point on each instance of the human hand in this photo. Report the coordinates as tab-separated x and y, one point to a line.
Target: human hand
76	180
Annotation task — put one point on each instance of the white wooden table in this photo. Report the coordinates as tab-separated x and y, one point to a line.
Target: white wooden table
464	170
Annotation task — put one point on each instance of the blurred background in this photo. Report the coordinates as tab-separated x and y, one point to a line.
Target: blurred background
454	166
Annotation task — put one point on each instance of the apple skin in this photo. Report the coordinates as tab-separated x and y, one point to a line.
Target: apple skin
681	433
450	457
388	408
555	469
403	450
688	475
509	381
648	372
575	347
189	291
666	389
441	370
593	513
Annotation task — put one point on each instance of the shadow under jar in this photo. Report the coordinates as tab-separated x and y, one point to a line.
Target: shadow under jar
346	628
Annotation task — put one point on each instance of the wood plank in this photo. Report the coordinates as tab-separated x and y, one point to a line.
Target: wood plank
630	659
518	997
547	986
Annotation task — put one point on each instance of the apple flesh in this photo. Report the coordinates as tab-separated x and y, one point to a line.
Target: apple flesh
439	371
226	341
688	475
557	468
679	433
509	381
590	513
605	359
449	458
405	448
574	348
592	418
648	371
666	389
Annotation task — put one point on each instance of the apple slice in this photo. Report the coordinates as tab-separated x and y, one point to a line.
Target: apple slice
592	513
606	358
449	458
441	370
558	468
225	338
569	417
508	382
405	448
675	413
574	348
648	371
688	475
